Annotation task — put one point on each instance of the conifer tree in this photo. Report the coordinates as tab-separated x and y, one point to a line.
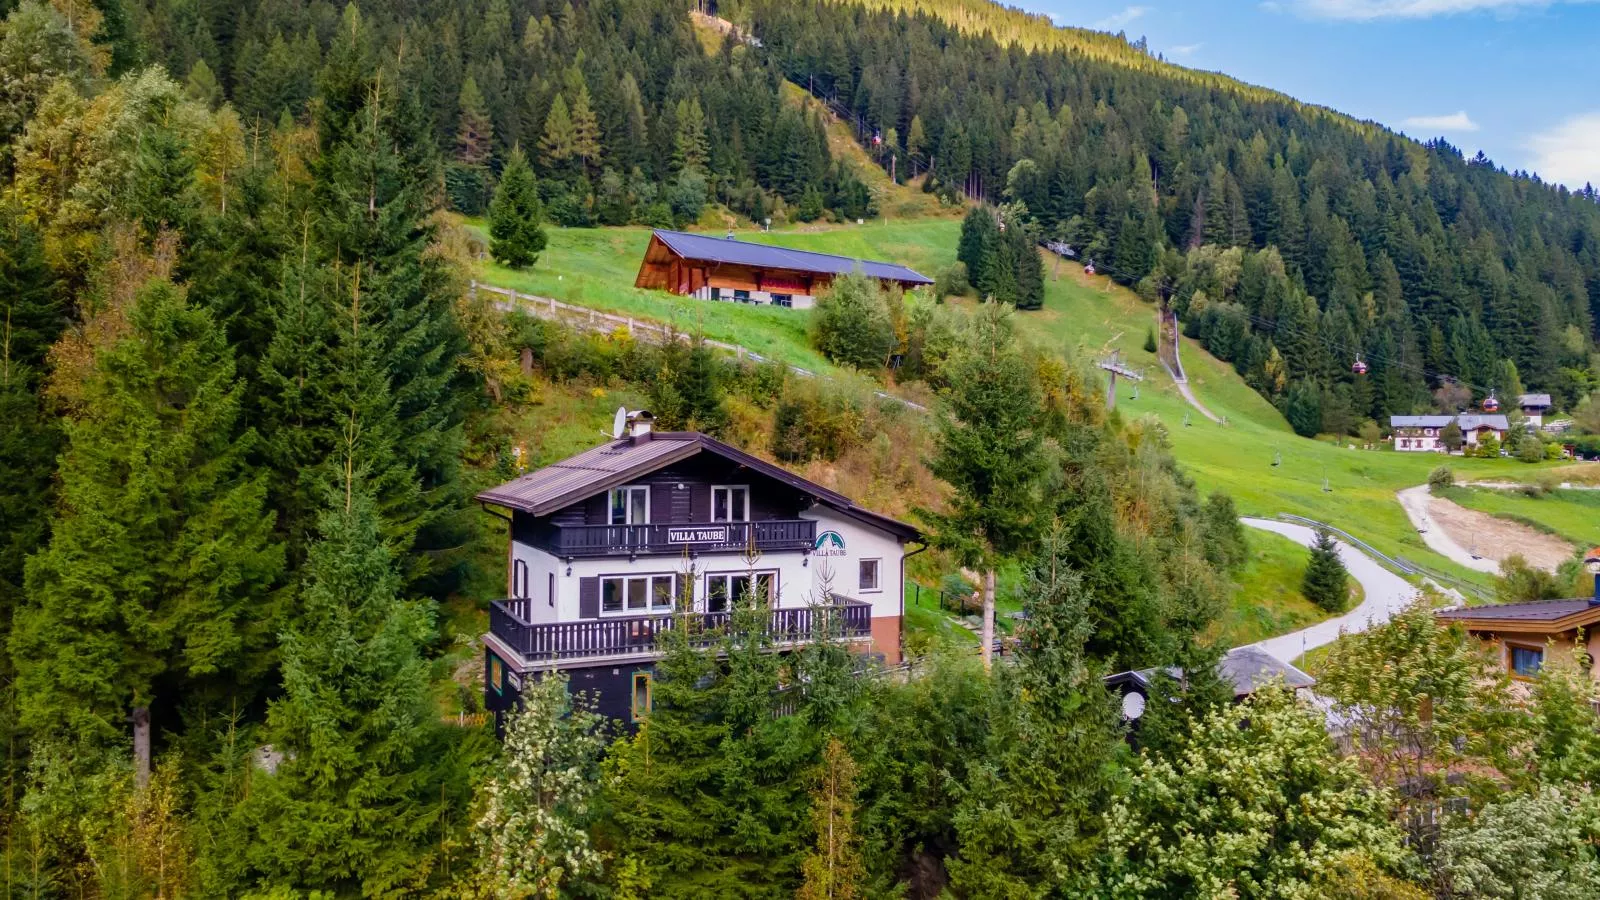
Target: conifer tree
989	450
690	147
352	806
155	585
515	230
585	127
395	344
975	236
1326	583
834	869
1030	813
467	174
559	142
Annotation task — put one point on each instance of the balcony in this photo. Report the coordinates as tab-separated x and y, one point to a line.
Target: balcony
637	636
578	541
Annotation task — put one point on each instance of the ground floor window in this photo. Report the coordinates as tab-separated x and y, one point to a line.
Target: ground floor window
716	293
637	593
741	296
1526	661
869	580
786	300
497	673
724	587
640	707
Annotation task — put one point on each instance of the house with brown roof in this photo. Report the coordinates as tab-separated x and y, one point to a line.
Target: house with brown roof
610	549
712	268
1525	634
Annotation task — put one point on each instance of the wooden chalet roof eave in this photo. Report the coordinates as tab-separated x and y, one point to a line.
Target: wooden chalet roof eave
1570	622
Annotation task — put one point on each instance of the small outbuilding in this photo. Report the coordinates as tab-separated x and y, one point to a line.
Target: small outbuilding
713	268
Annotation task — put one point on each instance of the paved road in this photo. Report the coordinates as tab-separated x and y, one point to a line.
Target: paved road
1386	593
1415	502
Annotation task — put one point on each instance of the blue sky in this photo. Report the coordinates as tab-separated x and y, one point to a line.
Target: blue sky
1518	79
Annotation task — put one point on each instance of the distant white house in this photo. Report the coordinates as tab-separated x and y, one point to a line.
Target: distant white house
1534	408
1420	434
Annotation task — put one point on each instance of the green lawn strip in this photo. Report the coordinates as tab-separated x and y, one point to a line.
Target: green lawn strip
1267	601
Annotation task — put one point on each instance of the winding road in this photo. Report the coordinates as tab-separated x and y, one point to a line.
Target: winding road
1386	594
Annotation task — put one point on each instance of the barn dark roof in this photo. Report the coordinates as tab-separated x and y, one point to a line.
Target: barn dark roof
618	462
1247	669
728	250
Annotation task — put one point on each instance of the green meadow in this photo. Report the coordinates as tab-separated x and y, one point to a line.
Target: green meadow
1322	479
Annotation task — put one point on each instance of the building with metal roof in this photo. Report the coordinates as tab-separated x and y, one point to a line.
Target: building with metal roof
1415	434
713	268
1523	635
615	547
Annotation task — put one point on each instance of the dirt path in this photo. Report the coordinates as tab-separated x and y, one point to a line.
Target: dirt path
1476	539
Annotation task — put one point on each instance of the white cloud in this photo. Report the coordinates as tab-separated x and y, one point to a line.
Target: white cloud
1184	50
1454	123
1370	10
1118	21
1569	152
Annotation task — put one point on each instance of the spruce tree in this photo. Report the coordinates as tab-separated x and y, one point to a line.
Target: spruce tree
1326	583
353	804
989	449
515	231
834	869
975	230
155	586
394	342
1030	813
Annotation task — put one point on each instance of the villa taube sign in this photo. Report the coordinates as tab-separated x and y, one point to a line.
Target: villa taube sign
714	535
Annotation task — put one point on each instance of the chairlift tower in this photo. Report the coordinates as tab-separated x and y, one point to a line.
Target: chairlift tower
1114	366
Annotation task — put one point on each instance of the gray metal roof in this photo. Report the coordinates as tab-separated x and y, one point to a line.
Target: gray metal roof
736	252
618	462
1467	421
1535	400
1532	611
1249	668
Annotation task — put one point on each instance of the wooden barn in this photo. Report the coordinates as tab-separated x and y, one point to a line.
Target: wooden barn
713	268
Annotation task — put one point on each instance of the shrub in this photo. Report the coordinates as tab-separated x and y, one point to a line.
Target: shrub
852	324
1441	477
1149	340
1489	447
952	282
812	423
1530	449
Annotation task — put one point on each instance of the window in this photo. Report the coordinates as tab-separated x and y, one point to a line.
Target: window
1526	661
519	579
716	293
869	575
641	695
724	587
550	587
497	673
636	593
784	300
730	504
630	505
741	296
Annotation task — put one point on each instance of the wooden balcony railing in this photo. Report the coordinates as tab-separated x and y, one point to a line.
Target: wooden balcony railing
625	540
638	635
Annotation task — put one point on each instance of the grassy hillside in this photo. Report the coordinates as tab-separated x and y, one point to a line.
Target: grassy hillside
1083	315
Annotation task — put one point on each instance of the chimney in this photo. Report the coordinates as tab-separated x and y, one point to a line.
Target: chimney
640	424
1591	561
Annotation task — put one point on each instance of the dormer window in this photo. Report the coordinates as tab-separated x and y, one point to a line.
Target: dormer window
630	505
730	503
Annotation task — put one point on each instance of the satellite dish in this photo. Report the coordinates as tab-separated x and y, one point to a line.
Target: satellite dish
1132	705
619	423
